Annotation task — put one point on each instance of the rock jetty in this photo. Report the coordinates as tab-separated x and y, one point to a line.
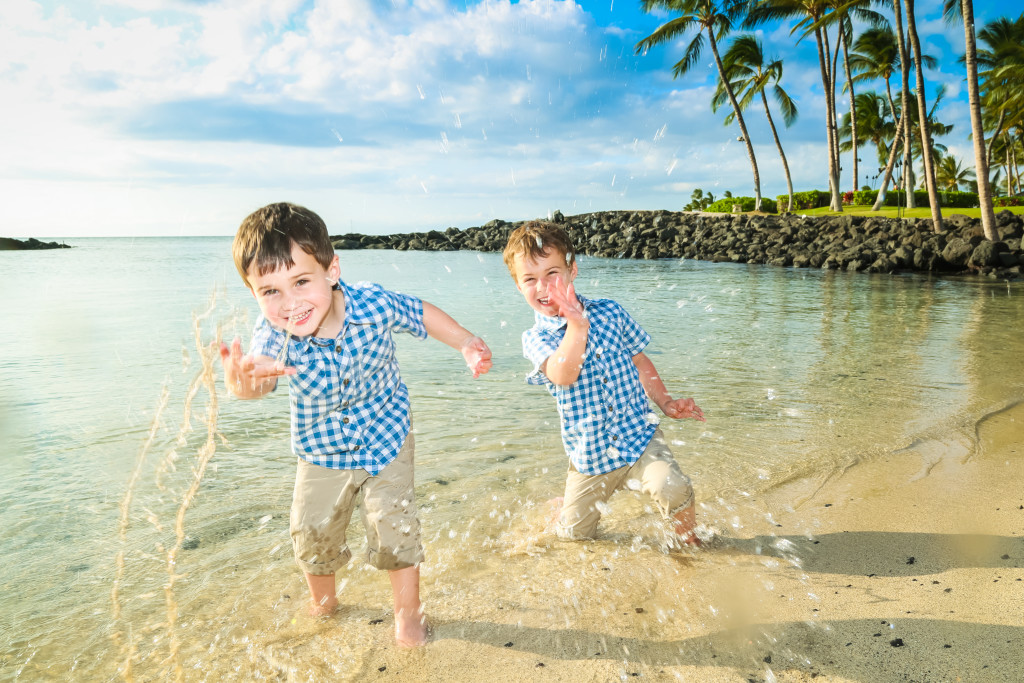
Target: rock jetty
852	243
11	244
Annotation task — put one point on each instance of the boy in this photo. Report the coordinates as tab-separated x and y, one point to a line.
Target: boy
350	420
588	353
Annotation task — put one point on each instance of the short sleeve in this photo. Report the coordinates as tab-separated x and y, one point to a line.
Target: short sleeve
538	346
634	338
266	341
407	313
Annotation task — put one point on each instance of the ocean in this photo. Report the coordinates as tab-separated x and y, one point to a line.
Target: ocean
144	531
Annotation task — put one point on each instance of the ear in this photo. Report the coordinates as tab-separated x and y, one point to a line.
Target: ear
573	271
334	270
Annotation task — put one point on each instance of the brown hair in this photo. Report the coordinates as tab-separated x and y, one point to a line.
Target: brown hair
534	239
266	237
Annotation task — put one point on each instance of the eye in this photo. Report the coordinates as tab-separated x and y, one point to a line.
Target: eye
269	292
301	281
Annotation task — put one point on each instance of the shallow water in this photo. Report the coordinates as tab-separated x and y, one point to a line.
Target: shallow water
144	531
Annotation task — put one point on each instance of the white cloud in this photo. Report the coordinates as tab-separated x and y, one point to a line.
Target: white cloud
123	112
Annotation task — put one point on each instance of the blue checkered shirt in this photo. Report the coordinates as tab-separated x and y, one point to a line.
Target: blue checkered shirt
350	408
607	420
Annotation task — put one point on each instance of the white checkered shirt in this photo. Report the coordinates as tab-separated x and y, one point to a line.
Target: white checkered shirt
607	420
349	405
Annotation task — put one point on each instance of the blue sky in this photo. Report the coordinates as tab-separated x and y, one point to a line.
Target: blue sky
179	117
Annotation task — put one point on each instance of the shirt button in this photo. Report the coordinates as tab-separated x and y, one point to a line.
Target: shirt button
344	420
610	409
605	380
337	348
344	382
615	438
356	448
345	404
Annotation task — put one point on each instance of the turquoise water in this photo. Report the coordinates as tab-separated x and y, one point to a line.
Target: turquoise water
146	517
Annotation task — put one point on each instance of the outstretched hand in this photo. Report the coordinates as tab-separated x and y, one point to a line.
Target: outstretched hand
477	355
682	408
246	376
564	296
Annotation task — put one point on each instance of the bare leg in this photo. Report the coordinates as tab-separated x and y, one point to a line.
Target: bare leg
410	628
685	521
554	511
323	600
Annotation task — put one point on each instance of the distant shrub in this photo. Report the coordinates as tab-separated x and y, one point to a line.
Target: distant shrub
811	199
746	204
953	200
848	198
1015	200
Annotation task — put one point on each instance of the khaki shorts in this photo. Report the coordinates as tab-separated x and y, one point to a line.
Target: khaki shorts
656	473
322	507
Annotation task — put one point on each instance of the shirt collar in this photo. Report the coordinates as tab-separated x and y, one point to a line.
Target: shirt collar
550	322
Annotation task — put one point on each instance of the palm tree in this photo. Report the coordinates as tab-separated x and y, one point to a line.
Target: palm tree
843	12
951	175
749	77
922	106
1002	88
966	14
876	55
716	17
810	14
876	124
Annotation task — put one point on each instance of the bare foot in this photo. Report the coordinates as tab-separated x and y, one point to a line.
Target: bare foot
324	608
410	629
691	539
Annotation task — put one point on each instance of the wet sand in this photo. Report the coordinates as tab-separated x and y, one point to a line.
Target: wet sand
904	568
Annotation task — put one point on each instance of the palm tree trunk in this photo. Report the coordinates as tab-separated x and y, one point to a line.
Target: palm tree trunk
922	106
778	144
893	151
834	81
739	119
1016	170
853	108
988	217
1009	170
995	135
824	55
908	156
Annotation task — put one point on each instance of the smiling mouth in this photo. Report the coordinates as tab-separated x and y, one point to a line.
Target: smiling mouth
545	301
300	318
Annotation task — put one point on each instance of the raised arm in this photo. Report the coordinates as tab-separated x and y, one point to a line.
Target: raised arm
443	328
250	376
564	365
679	408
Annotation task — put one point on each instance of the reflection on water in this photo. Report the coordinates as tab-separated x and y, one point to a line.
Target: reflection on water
144	532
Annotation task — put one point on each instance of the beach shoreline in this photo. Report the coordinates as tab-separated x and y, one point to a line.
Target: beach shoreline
907	567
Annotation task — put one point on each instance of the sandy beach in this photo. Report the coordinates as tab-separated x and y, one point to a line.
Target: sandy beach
903	568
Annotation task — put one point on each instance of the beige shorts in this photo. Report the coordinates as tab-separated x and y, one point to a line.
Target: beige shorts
322	507
656	473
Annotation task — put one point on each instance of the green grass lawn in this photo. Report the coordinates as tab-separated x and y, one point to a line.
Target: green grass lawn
893	212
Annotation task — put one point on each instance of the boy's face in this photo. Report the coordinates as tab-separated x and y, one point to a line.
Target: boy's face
299	299
535	276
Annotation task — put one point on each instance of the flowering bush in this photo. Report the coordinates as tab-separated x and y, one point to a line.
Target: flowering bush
1015	200
847	198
